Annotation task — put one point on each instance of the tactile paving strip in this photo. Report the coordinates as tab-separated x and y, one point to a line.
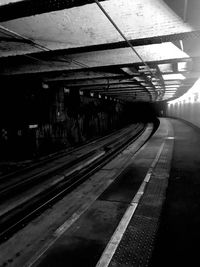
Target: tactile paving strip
136	246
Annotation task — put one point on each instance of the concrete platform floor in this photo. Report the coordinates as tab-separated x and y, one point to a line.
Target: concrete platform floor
149	215
178	237
89	241
29	244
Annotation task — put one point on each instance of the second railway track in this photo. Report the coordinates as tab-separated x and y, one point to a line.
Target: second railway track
64	178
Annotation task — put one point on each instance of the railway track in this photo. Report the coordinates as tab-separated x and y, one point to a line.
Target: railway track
50	184
52	157
60	160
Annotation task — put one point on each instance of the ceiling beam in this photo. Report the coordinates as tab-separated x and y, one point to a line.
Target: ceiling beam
118	92
99	59
115	45
125	94
111	88
105	84
34	69
26	8
82	77
97	81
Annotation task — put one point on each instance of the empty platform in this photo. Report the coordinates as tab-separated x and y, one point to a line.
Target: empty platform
141	209
119	227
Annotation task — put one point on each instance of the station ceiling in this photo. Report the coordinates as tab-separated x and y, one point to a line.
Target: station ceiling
74	44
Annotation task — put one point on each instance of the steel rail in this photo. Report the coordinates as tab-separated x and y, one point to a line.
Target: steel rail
15	187
15	219
57	155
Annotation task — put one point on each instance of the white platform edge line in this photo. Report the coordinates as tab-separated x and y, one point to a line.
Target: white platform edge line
117	236
110	249
59	231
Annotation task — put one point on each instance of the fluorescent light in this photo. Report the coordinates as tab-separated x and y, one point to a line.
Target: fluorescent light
172	86
66	90
45	86
178	76
177	82
182	66
33	126
165	67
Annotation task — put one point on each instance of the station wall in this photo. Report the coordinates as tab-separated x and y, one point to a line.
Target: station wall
189	111
187	107
36	120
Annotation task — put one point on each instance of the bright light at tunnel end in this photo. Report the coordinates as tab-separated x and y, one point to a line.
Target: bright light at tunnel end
192	95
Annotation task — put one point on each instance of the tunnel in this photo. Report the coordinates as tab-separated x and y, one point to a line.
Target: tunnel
99	132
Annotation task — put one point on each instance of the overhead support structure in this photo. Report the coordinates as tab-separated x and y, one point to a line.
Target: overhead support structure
81	48
26	8
128	42
159	39
20	69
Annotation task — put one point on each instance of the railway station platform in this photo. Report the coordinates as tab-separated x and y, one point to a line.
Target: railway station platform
119	228
141	209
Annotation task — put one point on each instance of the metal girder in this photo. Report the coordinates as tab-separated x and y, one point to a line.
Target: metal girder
28	8
135	42
112	88
108	85
98	82
195	34
119	91
83	76
28	69
125	93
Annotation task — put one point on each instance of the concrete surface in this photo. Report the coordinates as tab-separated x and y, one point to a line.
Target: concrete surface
84	242
179	234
